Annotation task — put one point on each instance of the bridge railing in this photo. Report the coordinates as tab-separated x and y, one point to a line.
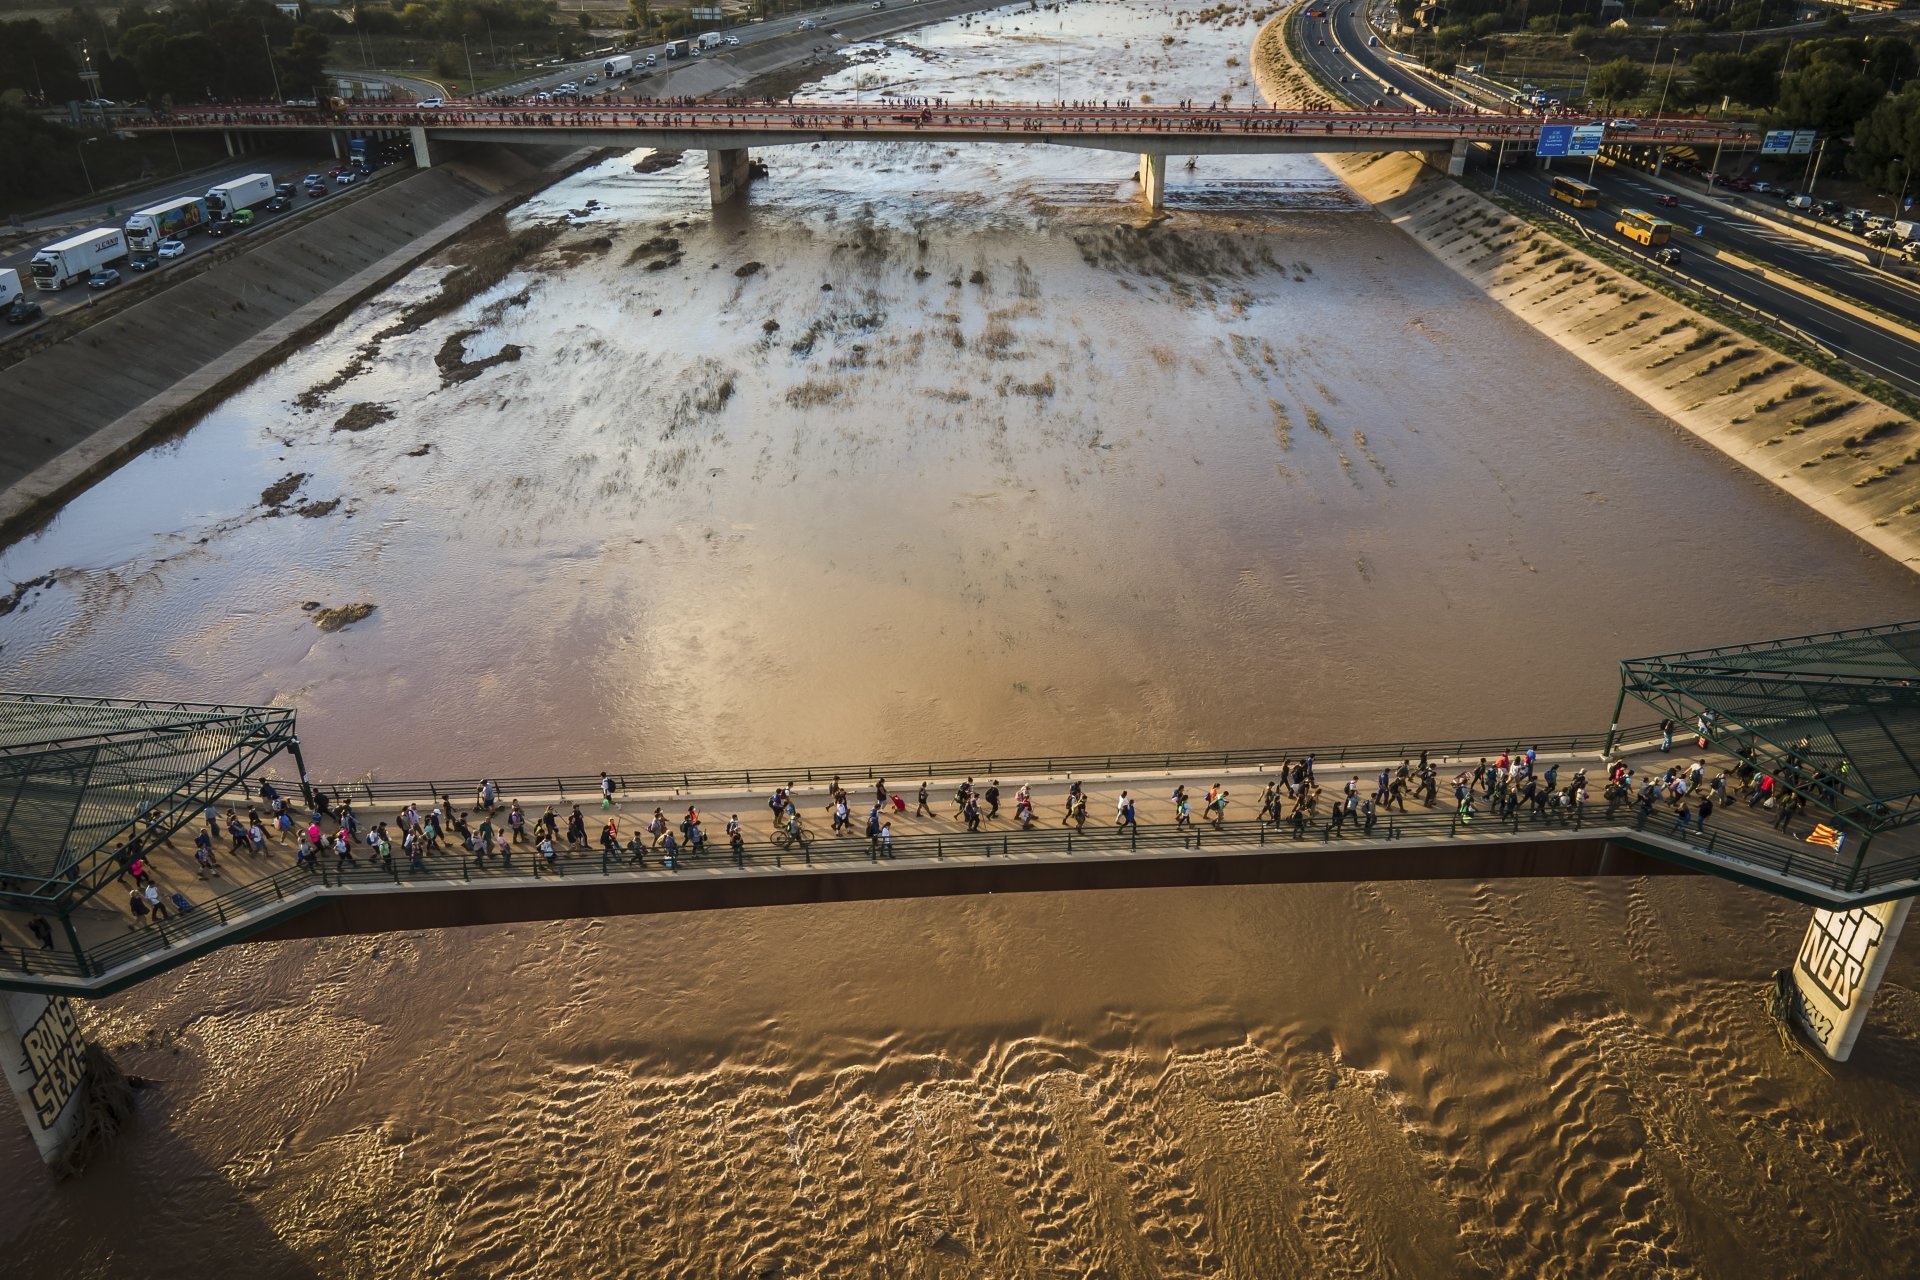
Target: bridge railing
670	781
261	900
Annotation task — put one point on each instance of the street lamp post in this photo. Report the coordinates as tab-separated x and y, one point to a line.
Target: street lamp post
80	149
1671	68
1586	76
1899	201
271	69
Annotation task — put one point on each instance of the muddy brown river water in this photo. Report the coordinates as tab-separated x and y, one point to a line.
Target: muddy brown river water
970	460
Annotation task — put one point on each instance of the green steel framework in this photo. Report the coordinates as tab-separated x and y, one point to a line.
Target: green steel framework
1836	716
79	777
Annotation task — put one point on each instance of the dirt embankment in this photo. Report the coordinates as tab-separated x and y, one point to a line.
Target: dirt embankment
1849	457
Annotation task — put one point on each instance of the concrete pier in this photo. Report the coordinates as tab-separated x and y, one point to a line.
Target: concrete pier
726	173
45	1058
1457	159
1153	181
422	152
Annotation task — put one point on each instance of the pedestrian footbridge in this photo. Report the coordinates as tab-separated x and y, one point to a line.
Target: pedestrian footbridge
1803	757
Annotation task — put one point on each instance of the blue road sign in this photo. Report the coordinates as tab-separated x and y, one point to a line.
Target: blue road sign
1555	140
1778	142
1586	139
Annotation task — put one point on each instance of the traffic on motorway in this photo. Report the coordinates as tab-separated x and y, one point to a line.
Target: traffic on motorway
68	271
1340	43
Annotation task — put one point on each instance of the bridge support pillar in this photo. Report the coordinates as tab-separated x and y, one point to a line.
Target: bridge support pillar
45	1057
1838	969
1153	181
726	173
1457	159
422	154
226	135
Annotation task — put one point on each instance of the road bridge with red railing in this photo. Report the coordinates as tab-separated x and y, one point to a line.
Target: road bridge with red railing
729	130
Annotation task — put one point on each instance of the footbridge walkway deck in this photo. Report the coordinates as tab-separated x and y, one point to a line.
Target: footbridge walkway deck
728	129
99	948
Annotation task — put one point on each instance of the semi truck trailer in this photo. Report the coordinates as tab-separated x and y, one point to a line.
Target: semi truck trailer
59	265
149	226
617	66
9	286
230	198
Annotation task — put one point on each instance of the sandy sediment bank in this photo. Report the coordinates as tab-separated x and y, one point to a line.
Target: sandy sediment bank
1849	457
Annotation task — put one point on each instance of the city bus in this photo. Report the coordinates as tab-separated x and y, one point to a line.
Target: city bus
1638	224
1576	193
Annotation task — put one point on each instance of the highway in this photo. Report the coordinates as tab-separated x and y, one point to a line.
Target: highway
287	164
1338	46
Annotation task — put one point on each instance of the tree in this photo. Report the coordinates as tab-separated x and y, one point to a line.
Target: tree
1827	96
1888	141
642	13
1612	81
303	63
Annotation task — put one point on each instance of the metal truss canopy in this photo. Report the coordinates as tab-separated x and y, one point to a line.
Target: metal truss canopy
1836	716
79	776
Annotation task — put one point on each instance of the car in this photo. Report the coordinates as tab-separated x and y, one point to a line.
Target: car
219	227
315	191
591	80
170	248
241	218
1667	256
878	4
432	104
346	179
1666	202
278	203
653	60
103	278
806	24
283	189
23	309
1623	125
143	261
1763	187
1323	44
308	181
733	39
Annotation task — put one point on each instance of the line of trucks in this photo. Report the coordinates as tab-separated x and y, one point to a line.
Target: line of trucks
58	265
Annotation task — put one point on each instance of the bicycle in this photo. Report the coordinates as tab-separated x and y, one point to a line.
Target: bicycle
787	837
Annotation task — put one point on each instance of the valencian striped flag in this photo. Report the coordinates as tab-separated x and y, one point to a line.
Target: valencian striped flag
1824	834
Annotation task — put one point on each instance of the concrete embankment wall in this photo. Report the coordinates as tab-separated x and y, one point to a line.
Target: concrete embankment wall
1847	456
80	408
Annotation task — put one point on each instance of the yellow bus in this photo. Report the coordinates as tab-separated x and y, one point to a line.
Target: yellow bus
1638	224
1576	193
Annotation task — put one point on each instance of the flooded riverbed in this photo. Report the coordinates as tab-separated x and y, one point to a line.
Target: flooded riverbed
936	451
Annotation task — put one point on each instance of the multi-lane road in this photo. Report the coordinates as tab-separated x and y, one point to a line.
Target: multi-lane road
1337	45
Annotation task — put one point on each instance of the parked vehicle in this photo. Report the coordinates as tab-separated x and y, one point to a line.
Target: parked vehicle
103	278
618	65
149	226
59	265
1800	202
1907	230
241	193
170	248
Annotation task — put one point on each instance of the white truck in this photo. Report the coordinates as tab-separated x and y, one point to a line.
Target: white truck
619	65
149	226
230	198
710	40
59	265
9	285
1904	229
